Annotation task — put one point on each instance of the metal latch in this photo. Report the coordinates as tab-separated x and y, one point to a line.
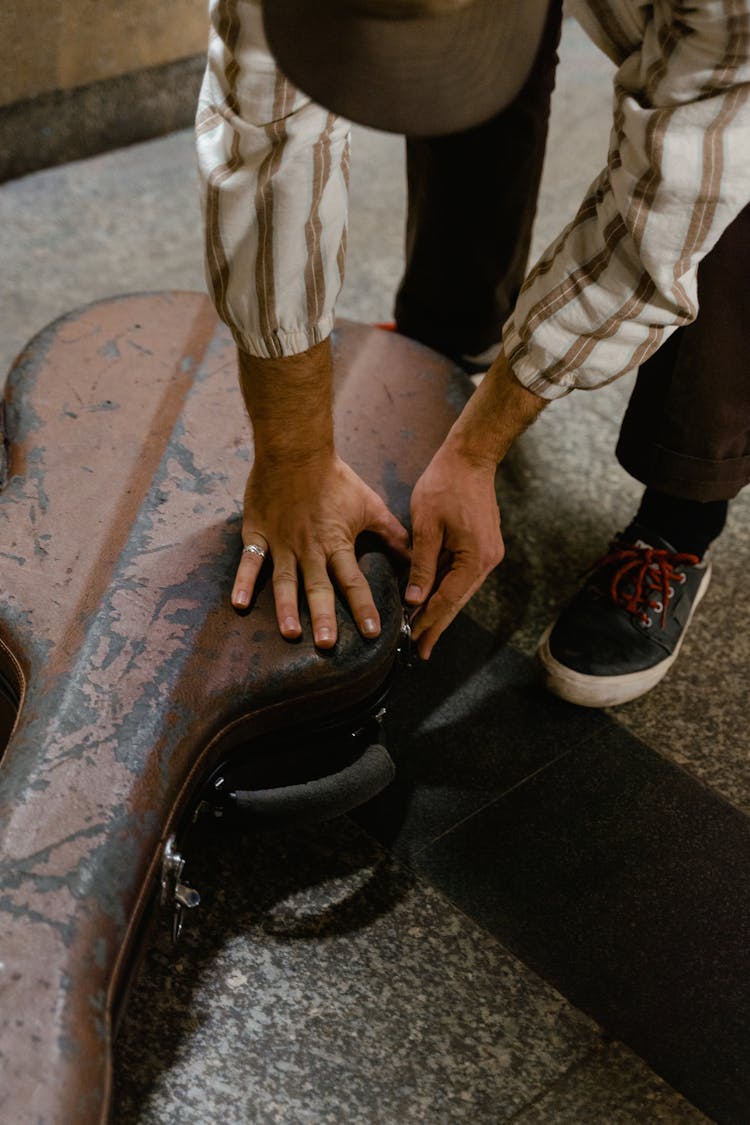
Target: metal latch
180	895
405	646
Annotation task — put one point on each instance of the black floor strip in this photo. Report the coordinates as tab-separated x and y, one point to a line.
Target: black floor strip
626	884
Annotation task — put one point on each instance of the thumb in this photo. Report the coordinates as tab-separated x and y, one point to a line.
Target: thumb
390	530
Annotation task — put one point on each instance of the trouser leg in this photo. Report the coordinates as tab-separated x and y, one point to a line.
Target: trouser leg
686	431
472	201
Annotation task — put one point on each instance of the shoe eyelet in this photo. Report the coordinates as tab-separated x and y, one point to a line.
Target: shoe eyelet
670	592
681	578
658	607
647	623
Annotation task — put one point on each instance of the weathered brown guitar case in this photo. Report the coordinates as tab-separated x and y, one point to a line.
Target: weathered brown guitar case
124	458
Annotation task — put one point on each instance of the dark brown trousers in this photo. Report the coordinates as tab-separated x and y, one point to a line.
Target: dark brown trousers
472	201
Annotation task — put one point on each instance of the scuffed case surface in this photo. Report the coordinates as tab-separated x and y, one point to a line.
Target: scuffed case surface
125	455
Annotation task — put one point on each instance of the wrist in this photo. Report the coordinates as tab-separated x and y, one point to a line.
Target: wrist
291	452
497	413
289	401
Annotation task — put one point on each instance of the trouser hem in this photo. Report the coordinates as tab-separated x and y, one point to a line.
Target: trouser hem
689	478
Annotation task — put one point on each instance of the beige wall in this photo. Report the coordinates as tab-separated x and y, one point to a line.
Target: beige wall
59	44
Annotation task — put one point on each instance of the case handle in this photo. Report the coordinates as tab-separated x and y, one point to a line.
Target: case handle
325	797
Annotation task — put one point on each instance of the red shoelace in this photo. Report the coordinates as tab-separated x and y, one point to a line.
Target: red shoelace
639	574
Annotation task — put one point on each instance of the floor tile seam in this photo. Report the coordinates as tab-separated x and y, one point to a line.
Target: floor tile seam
684	768
604	1039
421	880
561	986
560	1080
597	1052
586	1022
493	800
612	717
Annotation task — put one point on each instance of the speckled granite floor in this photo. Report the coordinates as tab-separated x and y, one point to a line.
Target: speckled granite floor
543	885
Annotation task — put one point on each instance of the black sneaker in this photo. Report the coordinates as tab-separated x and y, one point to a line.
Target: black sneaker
622	631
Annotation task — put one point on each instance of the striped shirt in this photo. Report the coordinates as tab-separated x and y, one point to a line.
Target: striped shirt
613	285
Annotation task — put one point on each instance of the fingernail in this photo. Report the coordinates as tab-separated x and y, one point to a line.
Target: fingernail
323	634
289	625
369	626
242	598
413	593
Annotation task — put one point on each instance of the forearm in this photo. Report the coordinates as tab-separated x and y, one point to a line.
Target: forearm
289	401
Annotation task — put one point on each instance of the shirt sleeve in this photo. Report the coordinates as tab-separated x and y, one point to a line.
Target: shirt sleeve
274	174
623	274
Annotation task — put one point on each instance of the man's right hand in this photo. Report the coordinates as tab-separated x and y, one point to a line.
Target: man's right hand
303	505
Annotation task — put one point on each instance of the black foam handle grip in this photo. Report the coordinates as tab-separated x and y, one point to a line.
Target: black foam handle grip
325	797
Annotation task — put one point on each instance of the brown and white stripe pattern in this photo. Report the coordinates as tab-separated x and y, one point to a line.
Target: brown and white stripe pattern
274	173
225	32
265	281
618	281
315	284
611	287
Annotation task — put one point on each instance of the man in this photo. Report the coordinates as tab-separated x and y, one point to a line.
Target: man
469	82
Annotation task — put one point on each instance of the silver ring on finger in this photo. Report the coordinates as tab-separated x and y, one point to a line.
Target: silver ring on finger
254	549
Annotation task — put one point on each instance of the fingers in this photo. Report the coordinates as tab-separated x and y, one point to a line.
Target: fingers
467	572
321	601
428	542
458	586
253	554
321	598
312	523
353	585
286	594
285	584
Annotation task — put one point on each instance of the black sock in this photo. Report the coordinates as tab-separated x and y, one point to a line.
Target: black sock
689	525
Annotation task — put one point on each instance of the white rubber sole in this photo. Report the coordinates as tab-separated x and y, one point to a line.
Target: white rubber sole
608	691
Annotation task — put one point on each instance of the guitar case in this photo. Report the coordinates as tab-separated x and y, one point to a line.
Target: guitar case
130	690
